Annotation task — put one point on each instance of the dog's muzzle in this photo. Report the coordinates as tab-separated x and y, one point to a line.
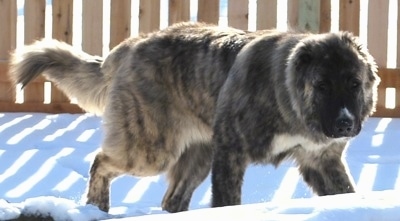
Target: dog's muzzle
344	125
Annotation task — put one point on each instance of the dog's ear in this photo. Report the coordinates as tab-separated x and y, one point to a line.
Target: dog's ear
302	55
360	48
354	42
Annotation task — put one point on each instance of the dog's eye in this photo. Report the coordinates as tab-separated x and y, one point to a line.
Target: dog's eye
322	86
355	84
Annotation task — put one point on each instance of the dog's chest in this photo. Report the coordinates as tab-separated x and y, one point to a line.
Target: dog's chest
284	142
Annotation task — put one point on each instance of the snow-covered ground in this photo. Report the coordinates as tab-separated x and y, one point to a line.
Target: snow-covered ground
45	159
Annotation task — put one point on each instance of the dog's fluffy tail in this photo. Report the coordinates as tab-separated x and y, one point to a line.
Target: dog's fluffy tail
76	73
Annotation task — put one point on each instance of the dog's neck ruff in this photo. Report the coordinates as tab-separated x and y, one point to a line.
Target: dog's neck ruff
285	142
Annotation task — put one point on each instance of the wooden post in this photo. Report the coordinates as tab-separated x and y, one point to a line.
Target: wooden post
149	15
378	30
62	20
266	14
325	16
293	14
309	15
398	39
238	14
62	30
349	16
120	21
179	10
92	27
8	24
208	11
34	18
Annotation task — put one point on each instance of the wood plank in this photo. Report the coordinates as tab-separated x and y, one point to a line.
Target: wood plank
120	21
208	11
398	36
179	10
383	112
7	89
293	14
62	30
34	20
62	20
149	16
267	12
390	78
3	71
37	107
349	16
34	29
34	93
8	23
238	14
92	27
7	92
325	16
378	30
309	15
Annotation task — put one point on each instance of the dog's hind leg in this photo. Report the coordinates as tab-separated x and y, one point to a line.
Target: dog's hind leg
325	172
186	175
102	173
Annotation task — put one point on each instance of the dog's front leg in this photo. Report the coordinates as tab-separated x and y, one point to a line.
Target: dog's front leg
325	172
228	169
101	174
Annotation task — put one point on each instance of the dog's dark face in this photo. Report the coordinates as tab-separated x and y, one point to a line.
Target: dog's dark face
335	84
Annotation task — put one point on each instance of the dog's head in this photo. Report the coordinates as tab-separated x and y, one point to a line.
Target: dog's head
333	83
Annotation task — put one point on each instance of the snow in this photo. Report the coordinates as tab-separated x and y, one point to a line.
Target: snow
45	159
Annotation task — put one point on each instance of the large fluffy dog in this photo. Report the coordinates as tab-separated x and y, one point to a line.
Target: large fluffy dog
174	98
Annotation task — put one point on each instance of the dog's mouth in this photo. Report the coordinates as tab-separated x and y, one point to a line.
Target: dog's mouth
344	124
342	128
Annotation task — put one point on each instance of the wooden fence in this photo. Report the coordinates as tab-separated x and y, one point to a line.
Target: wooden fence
371	20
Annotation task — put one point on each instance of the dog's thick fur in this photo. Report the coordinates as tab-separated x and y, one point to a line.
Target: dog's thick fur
173	99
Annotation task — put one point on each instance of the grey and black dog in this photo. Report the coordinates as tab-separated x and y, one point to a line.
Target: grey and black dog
195	96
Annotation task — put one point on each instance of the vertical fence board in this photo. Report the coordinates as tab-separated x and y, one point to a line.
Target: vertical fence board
309	15
8	22
62	20
378	30
398	37
293	14
120	21
34	17
208	11
92	26
266	14
325	16
149	15
349	16
62	30
179	10
238	13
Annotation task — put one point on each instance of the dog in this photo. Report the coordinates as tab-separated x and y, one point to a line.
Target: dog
196	96
298	96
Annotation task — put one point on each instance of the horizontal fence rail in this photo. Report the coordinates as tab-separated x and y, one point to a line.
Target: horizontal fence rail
96	26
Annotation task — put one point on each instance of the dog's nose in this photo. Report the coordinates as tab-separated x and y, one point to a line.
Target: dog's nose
343	127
